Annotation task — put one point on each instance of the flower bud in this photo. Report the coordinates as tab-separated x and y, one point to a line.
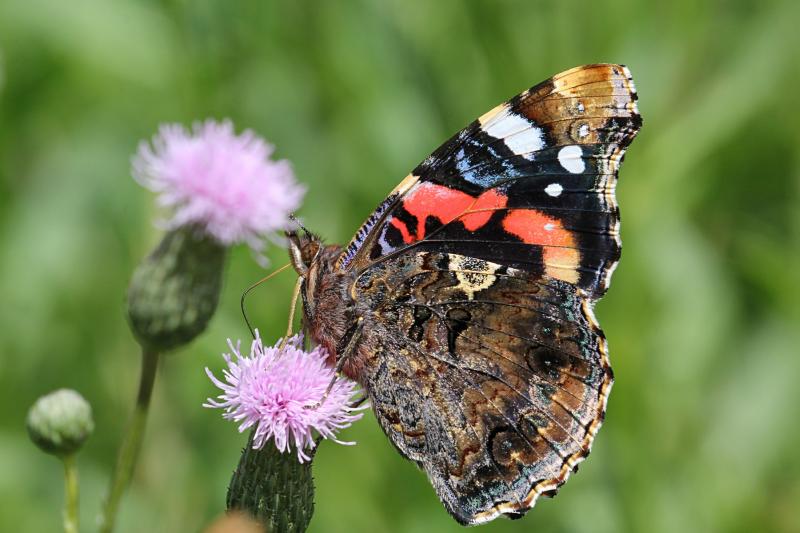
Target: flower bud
60	422
175	290
273	487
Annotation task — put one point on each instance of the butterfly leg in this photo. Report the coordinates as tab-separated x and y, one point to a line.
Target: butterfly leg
349	349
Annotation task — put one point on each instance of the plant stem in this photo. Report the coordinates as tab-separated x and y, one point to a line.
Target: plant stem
131	443
70	494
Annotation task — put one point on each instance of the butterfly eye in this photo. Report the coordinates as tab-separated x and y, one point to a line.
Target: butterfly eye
310	251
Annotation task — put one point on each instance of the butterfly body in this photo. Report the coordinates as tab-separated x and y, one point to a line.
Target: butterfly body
463	305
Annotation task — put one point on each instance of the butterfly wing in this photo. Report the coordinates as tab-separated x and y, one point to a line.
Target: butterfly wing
530	184
493	382
475	281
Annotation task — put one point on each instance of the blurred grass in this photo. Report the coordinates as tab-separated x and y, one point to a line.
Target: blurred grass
703	315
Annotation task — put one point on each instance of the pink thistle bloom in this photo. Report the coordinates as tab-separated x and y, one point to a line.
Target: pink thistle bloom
277	388
223	182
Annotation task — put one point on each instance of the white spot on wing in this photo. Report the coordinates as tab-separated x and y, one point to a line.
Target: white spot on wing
570	158
583	131
554	189
506	125
518	133
526	142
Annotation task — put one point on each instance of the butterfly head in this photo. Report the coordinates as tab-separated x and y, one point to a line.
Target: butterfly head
304	249
322	289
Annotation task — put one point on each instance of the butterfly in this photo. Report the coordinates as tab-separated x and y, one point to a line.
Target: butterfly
464	304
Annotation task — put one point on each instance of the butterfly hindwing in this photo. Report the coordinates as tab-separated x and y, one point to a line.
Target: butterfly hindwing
530	184
492	382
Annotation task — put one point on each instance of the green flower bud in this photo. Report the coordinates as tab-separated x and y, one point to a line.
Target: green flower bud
274	488
60	422
175	290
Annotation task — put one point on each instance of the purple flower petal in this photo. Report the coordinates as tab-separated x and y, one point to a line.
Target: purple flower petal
223	182
272	389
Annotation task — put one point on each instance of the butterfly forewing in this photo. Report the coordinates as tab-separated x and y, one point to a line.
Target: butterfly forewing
529	184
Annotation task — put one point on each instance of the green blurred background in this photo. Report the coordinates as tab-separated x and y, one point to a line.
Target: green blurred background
703	318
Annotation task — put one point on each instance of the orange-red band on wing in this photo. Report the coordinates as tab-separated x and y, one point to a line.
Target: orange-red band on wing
560	257
447	204
559	254
482	210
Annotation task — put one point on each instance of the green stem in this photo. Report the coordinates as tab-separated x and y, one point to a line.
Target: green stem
129	449
70	494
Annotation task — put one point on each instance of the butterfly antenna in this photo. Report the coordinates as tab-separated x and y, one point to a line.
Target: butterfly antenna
253	286
302	227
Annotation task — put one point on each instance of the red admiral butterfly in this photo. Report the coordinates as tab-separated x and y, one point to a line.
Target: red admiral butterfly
463	305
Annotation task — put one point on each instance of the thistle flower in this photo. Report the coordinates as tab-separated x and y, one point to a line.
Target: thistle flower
278	390
219	181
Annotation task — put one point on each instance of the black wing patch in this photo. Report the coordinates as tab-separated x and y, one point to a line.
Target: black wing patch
529	184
